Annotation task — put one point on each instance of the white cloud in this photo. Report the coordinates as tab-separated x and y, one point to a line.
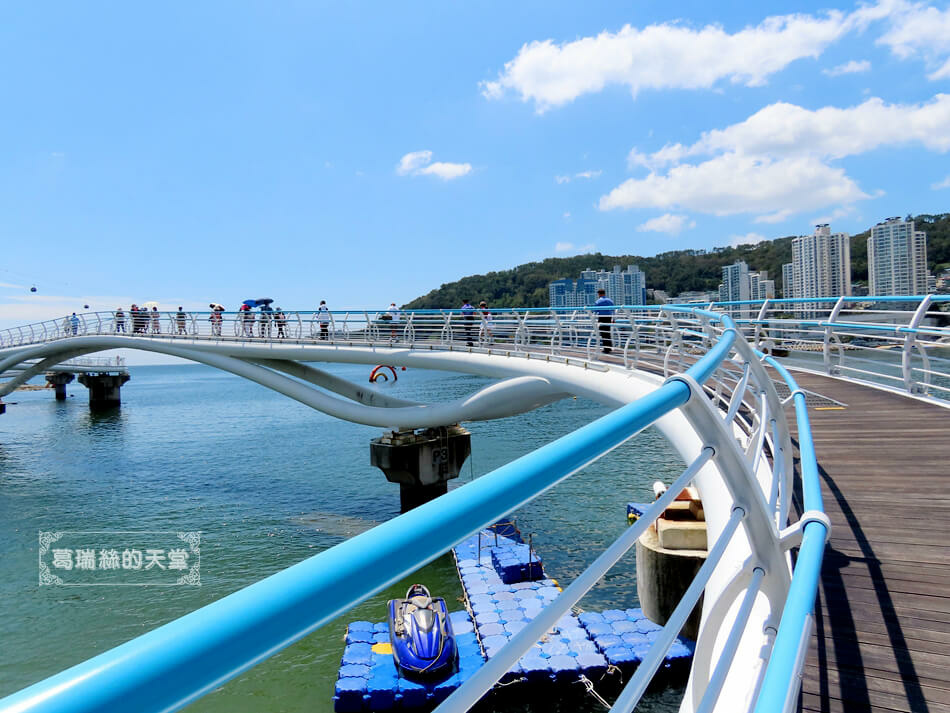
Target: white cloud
834	215
783	129
735	183
446	171
945	183
419	163
852	67
18	310
567	215
412	162
561	179
669	55
570	247
917	30
776	163
747	239
11	286
668	223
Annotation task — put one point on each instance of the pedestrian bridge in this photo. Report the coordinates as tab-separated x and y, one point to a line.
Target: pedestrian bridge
716	380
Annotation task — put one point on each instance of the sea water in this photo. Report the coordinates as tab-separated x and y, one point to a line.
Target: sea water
268	482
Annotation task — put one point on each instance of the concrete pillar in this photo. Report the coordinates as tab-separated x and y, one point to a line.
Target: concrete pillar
59	379
422	463
663	576
104	389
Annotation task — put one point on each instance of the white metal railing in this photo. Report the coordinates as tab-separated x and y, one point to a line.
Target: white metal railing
720	383
900	342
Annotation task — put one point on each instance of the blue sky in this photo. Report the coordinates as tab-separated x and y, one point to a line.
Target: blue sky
368	152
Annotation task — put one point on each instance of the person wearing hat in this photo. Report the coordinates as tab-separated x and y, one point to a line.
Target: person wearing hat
156	321
605	315
216	319
468	314
280	319
180	318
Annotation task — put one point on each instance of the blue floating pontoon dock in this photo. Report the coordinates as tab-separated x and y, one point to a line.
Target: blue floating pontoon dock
505	586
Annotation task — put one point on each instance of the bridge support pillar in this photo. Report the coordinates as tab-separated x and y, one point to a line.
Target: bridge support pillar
59	380
421	462
104	389
669	554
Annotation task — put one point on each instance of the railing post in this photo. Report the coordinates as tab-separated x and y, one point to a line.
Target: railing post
826	345
521	330
758	322
761	532
907	370
446	336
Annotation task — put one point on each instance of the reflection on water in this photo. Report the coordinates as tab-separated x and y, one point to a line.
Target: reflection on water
333	524
268	482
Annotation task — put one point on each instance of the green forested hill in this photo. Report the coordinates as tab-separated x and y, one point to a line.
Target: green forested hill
673	272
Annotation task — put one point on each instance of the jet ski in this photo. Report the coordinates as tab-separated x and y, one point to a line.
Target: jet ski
421	633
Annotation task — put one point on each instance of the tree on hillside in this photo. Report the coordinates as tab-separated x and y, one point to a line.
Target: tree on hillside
673	272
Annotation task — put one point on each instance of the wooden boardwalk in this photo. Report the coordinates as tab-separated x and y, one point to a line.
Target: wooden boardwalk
882	639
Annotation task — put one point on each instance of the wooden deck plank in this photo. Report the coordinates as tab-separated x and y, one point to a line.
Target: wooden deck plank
882	635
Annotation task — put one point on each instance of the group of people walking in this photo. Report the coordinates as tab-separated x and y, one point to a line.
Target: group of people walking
469	315
603	308
267	323
142	320
267	320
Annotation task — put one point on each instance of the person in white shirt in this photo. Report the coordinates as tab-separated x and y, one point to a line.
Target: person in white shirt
394	316
486	320
323	317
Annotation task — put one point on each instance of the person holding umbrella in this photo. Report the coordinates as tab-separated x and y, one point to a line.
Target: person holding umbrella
265	318
216	318
247	320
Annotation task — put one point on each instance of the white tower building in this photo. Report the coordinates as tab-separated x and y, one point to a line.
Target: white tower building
897	259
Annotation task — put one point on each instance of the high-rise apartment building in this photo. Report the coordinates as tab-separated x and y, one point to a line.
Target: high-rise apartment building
788	280
735	282
739	284
897	259
760	286
820	267
624	287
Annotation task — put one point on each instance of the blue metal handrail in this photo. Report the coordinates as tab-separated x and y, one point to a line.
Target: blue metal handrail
780	686
202	650
207	647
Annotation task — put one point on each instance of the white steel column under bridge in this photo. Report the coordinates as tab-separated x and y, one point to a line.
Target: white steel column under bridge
697	379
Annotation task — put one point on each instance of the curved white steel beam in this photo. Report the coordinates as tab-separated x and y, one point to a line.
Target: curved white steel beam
609	385
507	398
28	373
328	381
